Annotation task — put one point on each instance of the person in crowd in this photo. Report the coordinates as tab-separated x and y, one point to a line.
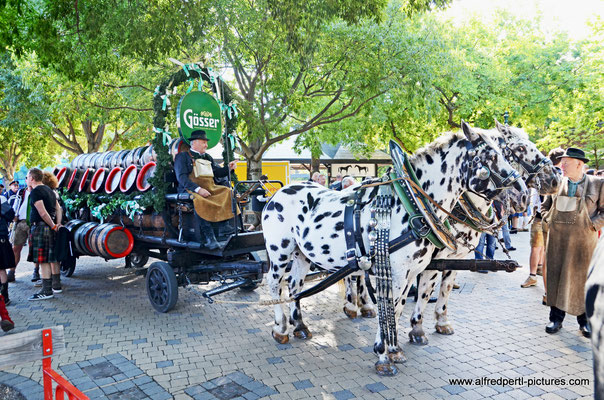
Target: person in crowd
500	212
7	258
536	241
337	184
600	173
555	156
21	228
6	324
2	190
573	216
51	181
195	171
11	193
348	181
491	242
45	219
321	180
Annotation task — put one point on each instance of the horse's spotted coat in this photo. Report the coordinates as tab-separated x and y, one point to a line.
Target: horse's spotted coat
303	203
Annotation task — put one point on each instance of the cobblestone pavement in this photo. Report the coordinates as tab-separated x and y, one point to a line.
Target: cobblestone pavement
118	347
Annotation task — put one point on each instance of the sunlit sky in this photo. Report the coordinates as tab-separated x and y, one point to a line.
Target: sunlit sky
567	15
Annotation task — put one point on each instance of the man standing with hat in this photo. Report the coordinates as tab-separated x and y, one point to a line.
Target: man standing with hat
195	171
573	217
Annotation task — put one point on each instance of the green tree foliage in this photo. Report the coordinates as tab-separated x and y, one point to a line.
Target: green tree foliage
20	141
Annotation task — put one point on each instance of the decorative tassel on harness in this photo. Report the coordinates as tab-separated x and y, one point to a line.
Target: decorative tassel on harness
381	211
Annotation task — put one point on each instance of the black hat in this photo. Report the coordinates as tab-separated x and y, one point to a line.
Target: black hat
198	135
13	182
573	152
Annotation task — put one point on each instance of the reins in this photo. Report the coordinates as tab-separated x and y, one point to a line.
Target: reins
419	189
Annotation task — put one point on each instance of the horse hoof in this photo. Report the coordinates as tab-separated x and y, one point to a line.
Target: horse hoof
418	339
350	314
397	357
445	329
303	334
385	368
281	339
368	313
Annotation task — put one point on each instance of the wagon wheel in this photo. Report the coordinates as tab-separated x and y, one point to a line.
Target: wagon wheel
162	288
138	260
68	266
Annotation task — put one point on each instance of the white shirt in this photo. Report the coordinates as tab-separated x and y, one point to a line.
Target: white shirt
22	213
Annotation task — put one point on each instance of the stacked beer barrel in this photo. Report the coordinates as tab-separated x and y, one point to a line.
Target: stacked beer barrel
104	240
111	172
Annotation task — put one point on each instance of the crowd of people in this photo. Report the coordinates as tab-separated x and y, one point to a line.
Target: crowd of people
33	215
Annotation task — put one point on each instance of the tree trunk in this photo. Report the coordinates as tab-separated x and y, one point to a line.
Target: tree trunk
315	164
254	168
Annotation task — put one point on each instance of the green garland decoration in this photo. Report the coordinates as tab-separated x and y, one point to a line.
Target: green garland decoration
155	198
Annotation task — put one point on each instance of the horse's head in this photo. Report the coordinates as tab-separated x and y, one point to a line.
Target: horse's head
488	170
536	169
514	199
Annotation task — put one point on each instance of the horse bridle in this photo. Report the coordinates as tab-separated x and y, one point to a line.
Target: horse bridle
485	172
530	170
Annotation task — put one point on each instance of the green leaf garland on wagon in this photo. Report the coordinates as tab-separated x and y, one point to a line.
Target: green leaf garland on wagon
155	198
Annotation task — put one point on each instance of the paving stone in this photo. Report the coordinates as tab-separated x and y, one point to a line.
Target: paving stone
499	333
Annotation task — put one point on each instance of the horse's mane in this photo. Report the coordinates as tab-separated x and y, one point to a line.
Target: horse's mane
445	139
448	138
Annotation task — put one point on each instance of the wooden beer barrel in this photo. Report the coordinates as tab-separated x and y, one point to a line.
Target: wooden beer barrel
128	181
111	241
178	145
80	238
75	162
148	156
74	180
126	157
98	180
105	159
85	161
85	180
73	225
138	155
63	176
146	172
116	159
112	183
147	224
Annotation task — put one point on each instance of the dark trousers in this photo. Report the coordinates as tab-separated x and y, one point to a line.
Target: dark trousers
557	315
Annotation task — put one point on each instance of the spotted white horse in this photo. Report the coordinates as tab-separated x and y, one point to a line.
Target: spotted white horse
307	225
357	297
538	172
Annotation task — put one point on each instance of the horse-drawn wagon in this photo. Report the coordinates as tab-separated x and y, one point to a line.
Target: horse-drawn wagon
125	203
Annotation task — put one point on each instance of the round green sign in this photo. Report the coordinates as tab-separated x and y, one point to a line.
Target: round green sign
199	111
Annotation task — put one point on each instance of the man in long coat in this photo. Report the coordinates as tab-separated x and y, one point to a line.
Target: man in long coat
195	171
573	217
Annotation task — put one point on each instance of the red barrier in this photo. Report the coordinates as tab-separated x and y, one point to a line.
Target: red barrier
63	385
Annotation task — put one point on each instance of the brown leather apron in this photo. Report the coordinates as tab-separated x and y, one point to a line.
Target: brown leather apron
570	245
217	206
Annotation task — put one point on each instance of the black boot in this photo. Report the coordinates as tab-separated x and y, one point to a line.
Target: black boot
206	233
45	293
224	229
4	293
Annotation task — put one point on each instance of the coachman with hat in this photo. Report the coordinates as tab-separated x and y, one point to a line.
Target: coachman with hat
573	217
195	171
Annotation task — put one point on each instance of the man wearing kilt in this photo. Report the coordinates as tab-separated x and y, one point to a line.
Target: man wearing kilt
7	259
45	219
